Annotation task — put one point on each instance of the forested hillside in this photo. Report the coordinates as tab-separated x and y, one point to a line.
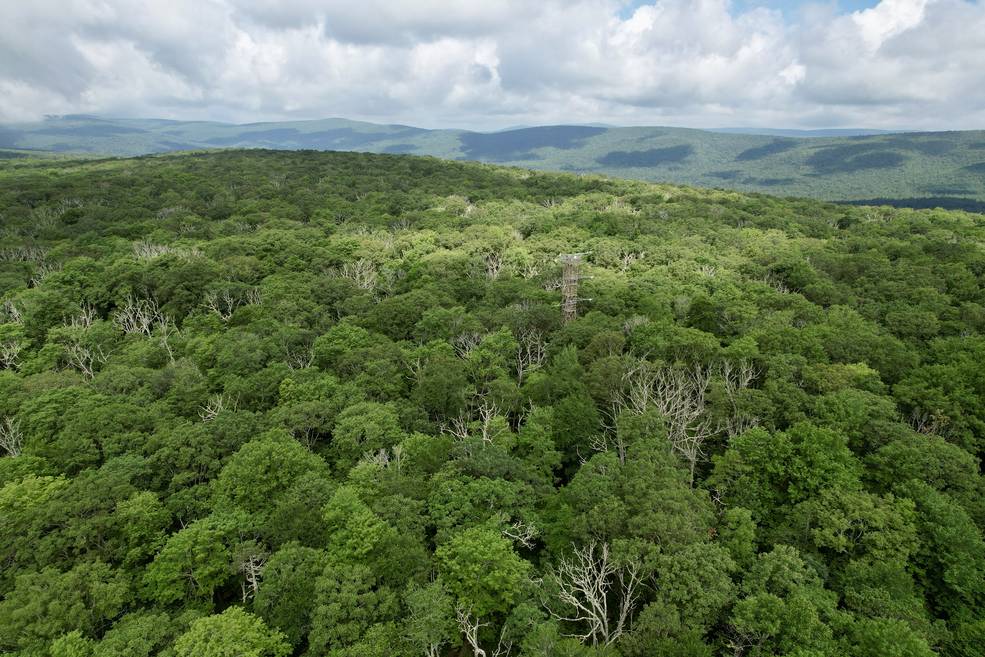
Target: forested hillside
262	404
931	169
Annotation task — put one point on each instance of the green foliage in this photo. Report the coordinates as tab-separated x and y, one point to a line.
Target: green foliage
330	400
233	633
895	168
482	571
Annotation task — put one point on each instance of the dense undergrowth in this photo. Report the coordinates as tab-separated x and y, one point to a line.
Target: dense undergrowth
273	403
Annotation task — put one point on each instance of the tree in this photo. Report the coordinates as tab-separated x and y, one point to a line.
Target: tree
262	470
348	601
482	571
284	598
233	633
47	604
364	428
431	622
586	582
194	562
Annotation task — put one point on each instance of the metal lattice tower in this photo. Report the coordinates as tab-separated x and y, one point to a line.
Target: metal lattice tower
569	284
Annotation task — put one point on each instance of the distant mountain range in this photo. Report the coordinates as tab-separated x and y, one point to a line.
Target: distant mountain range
927	169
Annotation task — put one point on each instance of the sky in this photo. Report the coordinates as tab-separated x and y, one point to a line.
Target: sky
489	64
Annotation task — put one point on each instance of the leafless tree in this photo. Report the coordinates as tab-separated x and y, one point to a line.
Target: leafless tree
9	314
458	427
679	395
362	272
928	422
254	297
628	257
251	566
521	532
10	354
42	271
487	412
530	270
85	319
23	254
745	642
144	250
299	358
466	342
634	322
85	357
494	264
11	438
215	405
166	329
735	378
168	212
587	582
603	442
138	316
223	304
775	282
531	353
469	625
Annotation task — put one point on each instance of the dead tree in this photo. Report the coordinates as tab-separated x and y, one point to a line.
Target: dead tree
531	353
521	532
466	342
144	250
42	271
138	316
11	438
736	378
469	625
165	330
10	354
251	566
494	264
679	395
222	304
9	314
254	297
299	358
587	582
362	272
215	405
85	357
85	319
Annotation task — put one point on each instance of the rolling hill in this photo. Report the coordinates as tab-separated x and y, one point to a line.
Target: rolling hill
944	169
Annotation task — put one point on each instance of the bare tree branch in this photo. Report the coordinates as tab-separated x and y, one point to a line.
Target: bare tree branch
11	438
586	582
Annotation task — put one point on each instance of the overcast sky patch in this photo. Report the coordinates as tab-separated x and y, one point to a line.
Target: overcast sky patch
903	64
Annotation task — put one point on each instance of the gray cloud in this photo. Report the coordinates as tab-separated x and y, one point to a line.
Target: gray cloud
903	63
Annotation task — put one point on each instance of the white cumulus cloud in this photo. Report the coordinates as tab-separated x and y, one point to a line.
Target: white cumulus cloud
702	63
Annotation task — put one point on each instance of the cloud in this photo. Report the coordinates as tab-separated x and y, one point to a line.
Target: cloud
899	63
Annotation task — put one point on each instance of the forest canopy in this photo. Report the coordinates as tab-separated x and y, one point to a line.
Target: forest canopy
281	403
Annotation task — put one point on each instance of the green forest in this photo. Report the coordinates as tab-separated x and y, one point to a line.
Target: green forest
321	404
907	169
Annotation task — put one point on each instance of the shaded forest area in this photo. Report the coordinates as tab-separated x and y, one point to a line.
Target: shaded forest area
296	403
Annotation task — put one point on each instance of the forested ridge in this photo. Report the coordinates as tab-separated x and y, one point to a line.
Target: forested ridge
262	404
906	169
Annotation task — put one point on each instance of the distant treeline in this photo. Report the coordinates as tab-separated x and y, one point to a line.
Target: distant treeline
930	203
